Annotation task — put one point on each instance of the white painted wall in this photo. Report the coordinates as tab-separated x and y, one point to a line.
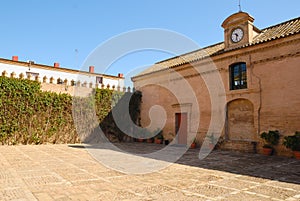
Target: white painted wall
56	74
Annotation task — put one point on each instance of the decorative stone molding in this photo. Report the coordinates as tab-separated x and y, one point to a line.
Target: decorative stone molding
51	80
13	75
65	82
277	58
59	81
21	76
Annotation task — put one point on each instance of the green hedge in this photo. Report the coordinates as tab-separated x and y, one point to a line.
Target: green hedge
31	116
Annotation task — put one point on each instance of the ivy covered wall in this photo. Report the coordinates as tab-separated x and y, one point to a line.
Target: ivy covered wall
31	116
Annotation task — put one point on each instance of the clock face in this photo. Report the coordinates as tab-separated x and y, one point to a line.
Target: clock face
237	35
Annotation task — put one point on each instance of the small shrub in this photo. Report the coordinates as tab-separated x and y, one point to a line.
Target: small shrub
271	138
292	142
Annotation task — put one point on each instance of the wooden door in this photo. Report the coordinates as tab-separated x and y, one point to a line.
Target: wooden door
181	127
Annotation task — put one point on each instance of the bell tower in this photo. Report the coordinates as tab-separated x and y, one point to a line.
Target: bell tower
239	30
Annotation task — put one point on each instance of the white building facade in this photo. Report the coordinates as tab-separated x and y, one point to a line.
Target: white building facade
55	75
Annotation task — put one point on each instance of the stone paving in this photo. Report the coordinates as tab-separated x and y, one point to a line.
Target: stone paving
62	172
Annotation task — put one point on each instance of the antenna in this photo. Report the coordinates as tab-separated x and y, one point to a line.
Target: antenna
240	7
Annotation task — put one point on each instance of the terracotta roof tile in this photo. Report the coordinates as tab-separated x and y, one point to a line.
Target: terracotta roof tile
278	31
185	58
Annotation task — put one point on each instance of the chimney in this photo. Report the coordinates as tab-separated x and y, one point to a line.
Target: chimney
56	65
120	75
92	69
15	58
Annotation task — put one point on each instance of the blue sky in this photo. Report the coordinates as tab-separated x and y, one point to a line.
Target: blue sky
50	31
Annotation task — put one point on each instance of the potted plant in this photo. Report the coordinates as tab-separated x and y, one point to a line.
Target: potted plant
271	139
141	134
147	135
212	140
140	140
158	139
194	144
219	143
150	140
168	138
293	142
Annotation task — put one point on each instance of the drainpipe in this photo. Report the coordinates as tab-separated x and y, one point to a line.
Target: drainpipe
260	95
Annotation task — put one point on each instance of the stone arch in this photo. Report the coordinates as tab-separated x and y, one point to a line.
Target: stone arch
240	120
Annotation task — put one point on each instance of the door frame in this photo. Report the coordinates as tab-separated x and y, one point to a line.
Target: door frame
178	129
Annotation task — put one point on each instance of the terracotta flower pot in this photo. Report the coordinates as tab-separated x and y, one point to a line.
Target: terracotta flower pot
297	154
158	141
193	145
267	151
150	140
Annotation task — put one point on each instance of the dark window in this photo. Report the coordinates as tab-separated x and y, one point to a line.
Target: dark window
99	80
32	74
238	76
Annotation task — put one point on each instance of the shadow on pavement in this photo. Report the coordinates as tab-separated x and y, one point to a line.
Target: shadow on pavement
268	167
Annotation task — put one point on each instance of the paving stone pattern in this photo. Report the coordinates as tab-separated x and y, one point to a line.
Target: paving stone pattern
62	172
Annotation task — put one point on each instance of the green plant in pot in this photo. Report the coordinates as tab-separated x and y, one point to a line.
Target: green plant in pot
159	138
221	140
212	140
142	134
148	135
293	142
271	139
150	140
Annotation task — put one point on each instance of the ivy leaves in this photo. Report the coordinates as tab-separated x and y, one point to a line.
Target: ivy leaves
31	116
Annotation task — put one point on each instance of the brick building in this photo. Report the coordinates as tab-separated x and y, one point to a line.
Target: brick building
258	69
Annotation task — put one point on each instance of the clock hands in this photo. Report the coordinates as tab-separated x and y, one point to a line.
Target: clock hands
236	36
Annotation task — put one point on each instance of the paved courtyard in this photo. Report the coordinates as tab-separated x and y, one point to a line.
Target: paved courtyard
64	172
